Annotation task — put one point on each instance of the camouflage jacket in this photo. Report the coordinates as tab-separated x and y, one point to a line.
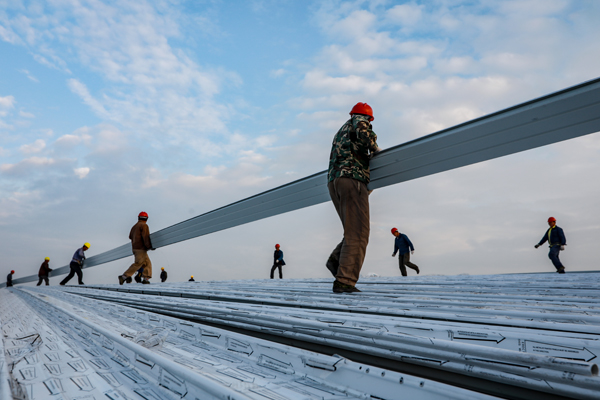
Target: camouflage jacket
351	150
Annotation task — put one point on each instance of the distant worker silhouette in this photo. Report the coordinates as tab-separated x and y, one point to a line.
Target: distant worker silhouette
9	278
163	275
76	264
348	176
557	242
140	244
277	262
44	272
191	279
404	247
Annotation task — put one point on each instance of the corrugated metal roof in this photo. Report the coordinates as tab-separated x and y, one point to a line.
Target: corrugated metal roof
514	336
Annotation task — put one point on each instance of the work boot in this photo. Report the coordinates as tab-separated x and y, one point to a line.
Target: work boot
122	279
137	278
339	287
332	265
146	282
562	270
418	270
128	279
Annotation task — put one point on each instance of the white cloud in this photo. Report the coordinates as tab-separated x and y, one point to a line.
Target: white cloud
81	172
6	103
34	147
26	114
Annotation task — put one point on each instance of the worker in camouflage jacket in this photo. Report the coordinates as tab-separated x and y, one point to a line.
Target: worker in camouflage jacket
348	177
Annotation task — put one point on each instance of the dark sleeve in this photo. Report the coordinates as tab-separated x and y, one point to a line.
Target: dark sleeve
561	236
146	237
412	248
395	248
544	238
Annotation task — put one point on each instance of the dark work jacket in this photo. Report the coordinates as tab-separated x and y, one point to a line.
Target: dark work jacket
402	244
163	276
44	269
140	236
557	237
191	280
9	280
278	256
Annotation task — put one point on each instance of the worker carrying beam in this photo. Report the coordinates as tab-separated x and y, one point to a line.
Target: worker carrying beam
140	244
348	176
76	264
44	272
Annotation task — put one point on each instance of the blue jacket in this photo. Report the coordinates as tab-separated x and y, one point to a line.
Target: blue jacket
79	256
278	256
557	237
403	244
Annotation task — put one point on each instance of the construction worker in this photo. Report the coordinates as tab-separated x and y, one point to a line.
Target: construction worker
277	261
140	244
405	248
557	242
348	176
191	279
9	278
76	264
163	274
44	272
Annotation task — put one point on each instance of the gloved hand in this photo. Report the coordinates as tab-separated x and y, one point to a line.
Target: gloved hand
536	246
412	252
562	247
393	255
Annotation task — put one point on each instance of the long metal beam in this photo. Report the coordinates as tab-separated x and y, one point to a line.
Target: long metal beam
559	116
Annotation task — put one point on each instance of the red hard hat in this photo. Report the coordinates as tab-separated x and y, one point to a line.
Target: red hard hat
12	272
277	245
394	230
143	214
551	219
364	109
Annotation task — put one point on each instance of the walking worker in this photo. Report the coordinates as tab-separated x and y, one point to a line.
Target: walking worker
76	264
163	274
44	272
277	261
140	244
9	278
557	242
348	176
405	248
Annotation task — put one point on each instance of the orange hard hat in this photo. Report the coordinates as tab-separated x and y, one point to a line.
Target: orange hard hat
364	109
551	219
394	230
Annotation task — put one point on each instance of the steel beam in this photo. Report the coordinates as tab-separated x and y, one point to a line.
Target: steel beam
559	116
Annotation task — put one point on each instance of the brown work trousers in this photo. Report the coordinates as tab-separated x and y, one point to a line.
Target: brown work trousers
141	259
351	200
404	259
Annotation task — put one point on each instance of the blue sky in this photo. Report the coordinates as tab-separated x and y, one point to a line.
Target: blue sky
178	107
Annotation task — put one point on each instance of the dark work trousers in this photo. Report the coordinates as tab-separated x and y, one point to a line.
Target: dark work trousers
351	201
273	271
43	278
553	255
75	269
404	260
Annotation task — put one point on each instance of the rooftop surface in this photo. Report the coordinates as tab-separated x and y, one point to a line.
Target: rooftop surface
519	336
